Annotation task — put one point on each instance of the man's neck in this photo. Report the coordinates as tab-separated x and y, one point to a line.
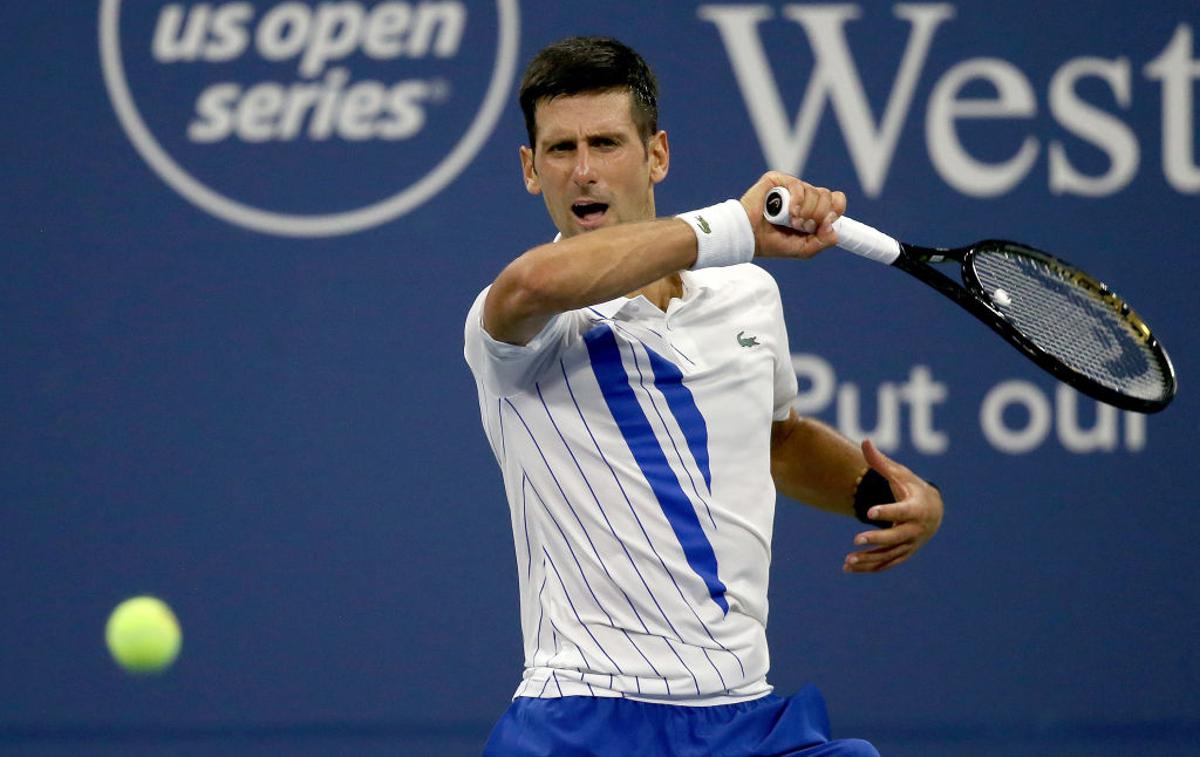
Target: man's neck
661	292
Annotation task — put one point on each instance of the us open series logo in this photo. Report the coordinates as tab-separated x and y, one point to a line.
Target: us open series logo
308	119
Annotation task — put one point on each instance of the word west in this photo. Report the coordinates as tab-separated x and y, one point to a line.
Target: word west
871	141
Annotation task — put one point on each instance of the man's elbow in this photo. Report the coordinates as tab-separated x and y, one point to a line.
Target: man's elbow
522	295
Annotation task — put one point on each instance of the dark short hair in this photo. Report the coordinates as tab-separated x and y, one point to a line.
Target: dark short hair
590	64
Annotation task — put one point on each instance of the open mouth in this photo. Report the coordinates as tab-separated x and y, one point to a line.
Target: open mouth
589	212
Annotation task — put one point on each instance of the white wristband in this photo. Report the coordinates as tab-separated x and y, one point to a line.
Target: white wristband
723	234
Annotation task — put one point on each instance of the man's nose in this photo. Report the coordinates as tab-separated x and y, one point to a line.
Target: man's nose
583	166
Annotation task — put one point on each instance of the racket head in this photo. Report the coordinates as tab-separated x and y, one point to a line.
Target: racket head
1070	323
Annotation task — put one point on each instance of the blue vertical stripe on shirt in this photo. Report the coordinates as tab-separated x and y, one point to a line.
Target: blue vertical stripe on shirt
671	437
635	428
669	380
650	544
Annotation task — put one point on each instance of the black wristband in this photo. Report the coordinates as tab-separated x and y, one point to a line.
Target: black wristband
873	489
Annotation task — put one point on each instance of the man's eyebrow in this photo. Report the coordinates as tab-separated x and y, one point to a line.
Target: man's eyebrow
613	134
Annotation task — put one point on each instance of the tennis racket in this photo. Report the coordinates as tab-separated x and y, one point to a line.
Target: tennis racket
1067	322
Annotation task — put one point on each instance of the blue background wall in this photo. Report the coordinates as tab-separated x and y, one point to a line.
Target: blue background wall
277	434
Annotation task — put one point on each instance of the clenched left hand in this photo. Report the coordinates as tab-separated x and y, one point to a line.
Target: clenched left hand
915	516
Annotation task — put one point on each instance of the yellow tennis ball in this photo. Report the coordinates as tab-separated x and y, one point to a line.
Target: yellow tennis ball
143	635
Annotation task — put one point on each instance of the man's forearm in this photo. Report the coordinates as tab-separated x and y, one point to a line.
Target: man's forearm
584	270
816	465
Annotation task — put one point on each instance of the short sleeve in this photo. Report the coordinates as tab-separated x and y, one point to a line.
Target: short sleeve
785	374
505	369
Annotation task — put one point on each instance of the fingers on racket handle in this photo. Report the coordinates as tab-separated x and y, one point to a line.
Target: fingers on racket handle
853	236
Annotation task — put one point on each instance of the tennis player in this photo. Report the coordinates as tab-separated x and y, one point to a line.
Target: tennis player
635	384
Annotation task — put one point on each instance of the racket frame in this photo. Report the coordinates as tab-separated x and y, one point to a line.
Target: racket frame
869	242
970	295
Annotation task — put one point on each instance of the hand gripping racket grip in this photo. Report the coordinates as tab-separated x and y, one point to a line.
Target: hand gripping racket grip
853	236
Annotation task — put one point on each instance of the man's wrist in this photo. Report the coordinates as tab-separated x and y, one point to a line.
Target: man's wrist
723	232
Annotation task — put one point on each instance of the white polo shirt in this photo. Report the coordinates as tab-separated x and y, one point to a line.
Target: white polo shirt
635	449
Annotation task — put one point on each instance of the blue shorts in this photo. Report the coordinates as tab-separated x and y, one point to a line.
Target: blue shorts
600	726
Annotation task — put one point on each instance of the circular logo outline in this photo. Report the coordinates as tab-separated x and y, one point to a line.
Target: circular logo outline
293	225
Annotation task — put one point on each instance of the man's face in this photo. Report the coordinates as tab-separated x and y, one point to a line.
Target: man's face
590	165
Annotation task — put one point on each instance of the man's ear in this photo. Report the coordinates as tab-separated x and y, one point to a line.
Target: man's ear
532	184
659	152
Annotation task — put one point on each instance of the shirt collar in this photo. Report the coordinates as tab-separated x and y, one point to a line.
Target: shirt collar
611	308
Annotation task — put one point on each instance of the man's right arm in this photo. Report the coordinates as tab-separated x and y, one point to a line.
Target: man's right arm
583	270
607	263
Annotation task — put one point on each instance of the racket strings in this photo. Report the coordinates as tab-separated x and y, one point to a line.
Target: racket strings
1070	322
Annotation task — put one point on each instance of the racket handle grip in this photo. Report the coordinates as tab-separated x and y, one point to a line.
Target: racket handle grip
868	241
853	236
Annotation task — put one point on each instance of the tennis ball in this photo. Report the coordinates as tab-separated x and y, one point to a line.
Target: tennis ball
143	635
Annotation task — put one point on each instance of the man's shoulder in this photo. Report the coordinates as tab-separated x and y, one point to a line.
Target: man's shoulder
474	320
745	279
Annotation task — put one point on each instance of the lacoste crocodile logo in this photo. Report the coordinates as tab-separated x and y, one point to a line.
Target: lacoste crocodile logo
748	341
703	225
